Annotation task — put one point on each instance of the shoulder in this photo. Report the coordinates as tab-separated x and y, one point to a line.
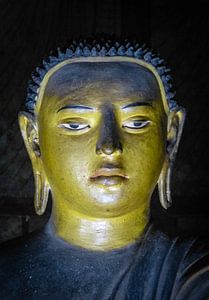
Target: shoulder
193	272
171	267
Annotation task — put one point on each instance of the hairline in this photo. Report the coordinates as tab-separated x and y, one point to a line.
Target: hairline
140	62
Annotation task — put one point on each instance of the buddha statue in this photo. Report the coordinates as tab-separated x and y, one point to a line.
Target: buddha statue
102	129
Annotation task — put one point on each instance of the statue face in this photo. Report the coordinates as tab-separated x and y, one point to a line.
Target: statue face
102	137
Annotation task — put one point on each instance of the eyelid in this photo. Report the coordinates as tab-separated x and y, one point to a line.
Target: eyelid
137	117
143	113
128	126
73	119
67	126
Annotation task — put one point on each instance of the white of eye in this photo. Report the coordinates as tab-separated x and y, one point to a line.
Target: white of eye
74	126
135	124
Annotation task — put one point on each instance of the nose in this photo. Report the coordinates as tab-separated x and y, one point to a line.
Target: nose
109	141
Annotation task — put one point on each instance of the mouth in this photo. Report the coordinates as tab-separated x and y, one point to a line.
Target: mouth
109	176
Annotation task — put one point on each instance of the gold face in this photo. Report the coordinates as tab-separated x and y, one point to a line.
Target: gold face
101	137
102	133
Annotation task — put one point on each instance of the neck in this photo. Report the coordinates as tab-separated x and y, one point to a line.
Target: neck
100	234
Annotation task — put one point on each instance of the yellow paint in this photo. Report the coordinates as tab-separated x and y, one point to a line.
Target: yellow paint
98	233
88	214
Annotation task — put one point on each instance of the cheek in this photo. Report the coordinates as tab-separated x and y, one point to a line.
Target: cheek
66	159
145	155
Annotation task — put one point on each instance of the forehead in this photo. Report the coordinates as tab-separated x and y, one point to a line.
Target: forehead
115	80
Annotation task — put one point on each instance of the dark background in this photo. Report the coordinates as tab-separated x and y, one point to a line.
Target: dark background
179	32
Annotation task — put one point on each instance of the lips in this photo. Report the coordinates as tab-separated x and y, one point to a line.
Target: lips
106	172
109	176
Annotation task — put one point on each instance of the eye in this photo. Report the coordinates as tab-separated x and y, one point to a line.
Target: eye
135	124
74	126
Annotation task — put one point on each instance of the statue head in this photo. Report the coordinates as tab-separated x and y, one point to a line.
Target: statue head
102	129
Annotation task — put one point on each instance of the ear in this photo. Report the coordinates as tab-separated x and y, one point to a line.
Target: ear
175	125
29	132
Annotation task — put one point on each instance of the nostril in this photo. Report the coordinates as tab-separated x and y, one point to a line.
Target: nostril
107	149
119	147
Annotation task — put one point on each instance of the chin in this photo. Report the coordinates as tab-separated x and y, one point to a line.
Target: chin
109	205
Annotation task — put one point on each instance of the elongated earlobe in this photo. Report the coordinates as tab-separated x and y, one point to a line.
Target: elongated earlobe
176	121
30	135
41	193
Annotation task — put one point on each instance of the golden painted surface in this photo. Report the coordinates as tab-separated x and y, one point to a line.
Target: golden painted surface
98	141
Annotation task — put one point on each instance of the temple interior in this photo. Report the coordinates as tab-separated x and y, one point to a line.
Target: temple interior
179	32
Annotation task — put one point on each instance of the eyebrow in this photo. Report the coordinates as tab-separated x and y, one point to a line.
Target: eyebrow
75	107
137	104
